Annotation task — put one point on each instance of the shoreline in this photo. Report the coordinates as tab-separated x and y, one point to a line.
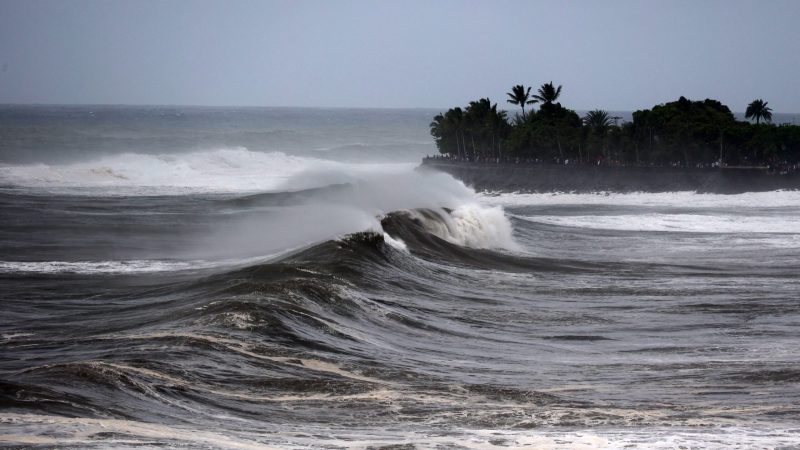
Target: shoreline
543	177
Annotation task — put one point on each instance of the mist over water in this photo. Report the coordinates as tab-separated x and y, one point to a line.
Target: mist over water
255	278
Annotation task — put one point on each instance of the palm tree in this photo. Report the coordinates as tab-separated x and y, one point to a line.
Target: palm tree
520	96
475	116
455	118
486	127
448	130
759	110
498	126
440	131
548	93
598	120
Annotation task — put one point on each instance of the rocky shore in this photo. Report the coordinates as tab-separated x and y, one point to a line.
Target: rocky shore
527	177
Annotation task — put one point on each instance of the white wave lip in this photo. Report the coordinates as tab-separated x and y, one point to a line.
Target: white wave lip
473	225
224	170
687	223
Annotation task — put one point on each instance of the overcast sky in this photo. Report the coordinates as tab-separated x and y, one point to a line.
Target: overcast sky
615	55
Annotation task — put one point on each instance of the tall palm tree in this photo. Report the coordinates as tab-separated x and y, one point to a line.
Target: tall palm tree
447	130
455	118
520	96
475	116
486	127
759	110
440	130
548	93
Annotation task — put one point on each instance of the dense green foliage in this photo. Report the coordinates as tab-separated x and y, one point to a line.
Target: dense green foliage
475	133
680	133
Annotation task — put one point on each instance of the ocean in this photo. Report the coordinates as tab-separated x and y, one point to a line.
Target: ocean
190	277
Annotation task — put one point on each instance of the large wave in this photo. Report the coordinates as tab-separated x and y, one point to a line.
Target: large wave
250	205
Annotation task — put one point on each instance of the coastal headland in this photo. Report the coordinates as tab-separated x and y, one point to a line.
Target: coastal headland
529	177
684	145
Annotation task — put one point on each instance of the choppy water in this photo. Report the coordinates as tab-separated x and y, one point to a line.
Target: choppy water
248	296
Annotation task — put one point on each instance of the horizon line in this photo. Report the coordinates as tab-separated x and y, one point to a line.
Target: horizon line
167	105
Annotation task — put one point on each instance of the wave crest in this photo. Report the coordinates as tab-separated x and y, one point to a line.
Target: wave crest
470	225
224	170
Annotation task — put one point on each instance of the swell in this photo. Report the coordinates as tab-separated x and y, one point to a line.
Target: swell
315	327
406	325
323	323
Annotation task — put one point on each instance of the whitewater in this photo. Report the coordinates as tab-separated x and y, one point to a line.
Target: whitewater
281	278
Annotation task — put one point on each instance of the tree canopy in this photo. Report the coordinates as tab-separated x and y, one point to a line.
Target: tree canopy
683	132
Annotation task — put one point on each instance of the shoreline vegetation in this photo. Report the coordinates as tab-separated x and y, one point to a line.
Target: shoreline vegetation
680	134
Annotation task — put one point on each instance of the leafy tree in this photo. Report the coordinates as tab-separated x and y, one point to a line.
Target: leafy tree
440	130
448	132
520	96
455	119
684	130
551	132
486	127
758	109
476	132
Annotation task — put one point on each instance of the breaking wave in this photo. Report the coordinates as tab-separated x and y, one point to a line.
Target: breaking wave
224	170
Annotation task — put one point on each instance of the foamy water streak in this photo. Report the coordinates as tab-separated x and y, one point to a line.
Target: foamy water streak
142	266
81	431
689	223
774	199
99	267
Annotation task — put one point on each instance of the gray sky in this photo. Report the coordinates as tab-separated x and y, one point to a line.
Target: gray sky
615	55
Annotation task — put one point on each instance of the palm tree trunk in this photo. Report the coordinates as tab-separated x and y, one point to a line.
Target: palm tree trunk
464	144
558	143
474	152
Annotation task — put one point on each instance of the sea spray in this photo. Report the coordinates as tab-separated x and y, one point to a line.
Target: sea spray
354	201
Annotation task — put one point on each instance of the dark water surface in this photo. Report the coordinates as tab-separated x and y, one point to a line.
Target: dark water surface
241	296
